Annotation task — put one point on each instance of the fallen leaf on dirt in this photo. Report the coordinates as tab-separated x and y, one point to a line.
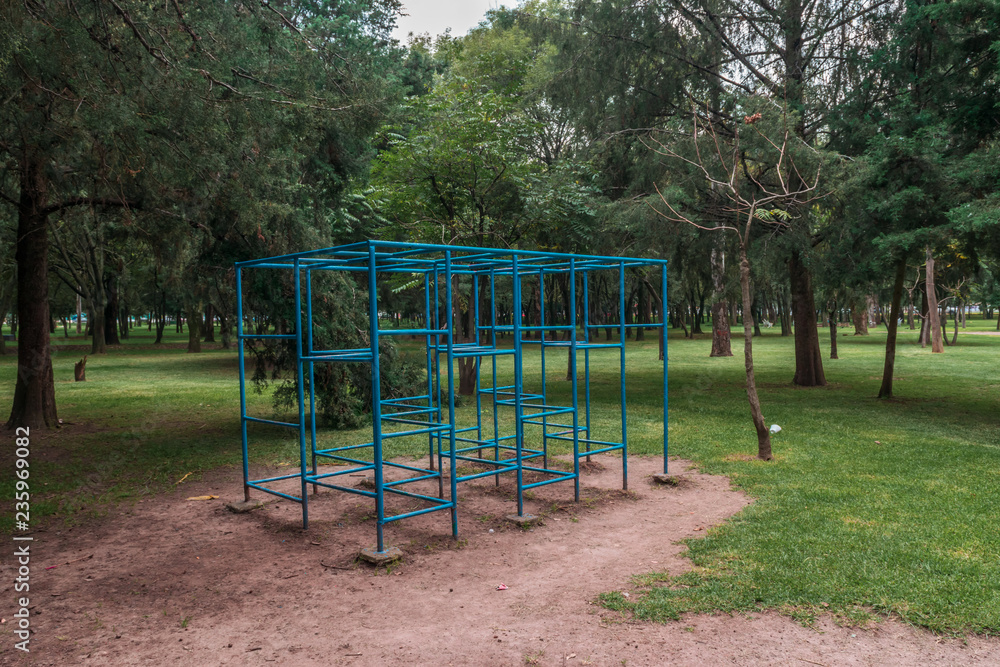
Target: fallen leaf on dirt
182	479
203	497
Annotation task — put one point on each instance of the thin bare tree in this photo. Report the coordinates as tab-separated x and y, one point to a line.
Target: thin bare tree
752	183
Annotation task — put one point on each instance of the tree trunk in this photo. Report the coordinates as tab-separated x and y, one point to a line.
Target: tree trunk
937	343
860	318
954	338
832	319
98	343
763	435
209	324
34	404
721	346
80	370
194	326
466	366
225	332
161	324
808	360
885	391
640	332
111	315
924	321
79	313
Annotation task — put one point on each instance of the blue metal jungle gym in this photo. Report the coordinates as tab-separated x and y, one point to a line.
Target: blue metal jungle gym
432	414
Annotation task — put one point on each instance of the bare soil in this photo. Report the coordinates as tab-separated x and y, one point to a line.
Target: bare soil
173	581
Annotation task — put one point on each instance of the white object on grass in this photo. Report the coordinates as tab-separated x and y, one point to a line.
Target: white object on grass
775	429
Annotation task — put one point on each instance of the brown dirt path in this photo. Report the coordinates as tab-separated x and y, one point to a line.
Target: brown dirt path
178	582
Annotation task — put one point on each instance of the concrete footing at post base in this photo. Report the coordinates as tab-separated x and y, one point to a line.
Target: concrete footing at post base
390	555
244	506
523	520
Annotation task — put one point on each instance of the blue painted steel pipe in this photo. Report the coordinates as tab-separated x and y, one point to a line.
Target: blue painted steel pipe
376	398
301	381
621	340
437	263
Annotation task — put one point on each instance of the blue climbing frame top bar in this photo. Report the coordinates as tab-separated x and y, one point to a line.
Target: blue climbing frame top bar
390	255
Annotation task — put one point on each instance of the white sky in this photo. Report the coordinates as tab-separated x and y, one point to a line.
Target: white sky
434	16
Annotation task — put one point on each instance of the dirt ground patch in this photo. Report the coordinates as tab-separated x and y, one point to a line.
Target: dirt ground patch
179	582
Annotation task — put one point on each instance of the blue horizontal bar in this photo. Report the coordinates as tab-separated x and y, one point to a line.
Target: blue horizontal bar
271	421
403	466
344	459
348	489
651	325
418	496
548	481
410	479
481	352
397	416
404	399
413	332
273	492
543	405
488	473
416	513
599	451
401	434
400	420
275	479
345	471
345	448
396	250
348	358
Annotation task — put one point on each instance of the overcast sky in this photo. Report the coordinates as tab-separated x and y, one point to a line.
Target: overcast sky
434	16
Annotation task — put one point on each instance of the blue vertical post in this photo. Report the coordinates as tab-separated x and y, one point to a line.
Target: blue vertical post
430	365
453	472
586	353
312	373
493	342
437	373
663	325
518	428
541	335
300	380
243	383
621	340
478	360
572	370
376	398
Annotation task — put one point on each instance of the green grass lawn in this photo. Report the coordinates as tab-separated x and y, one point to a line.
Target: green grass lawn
871	507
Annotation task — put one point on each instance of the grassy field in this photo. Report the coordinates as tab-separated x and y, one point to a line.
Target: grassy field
871	507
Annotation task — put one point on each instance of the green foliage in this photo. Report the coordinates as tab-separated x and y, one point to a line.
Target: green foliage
464	173
340	322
